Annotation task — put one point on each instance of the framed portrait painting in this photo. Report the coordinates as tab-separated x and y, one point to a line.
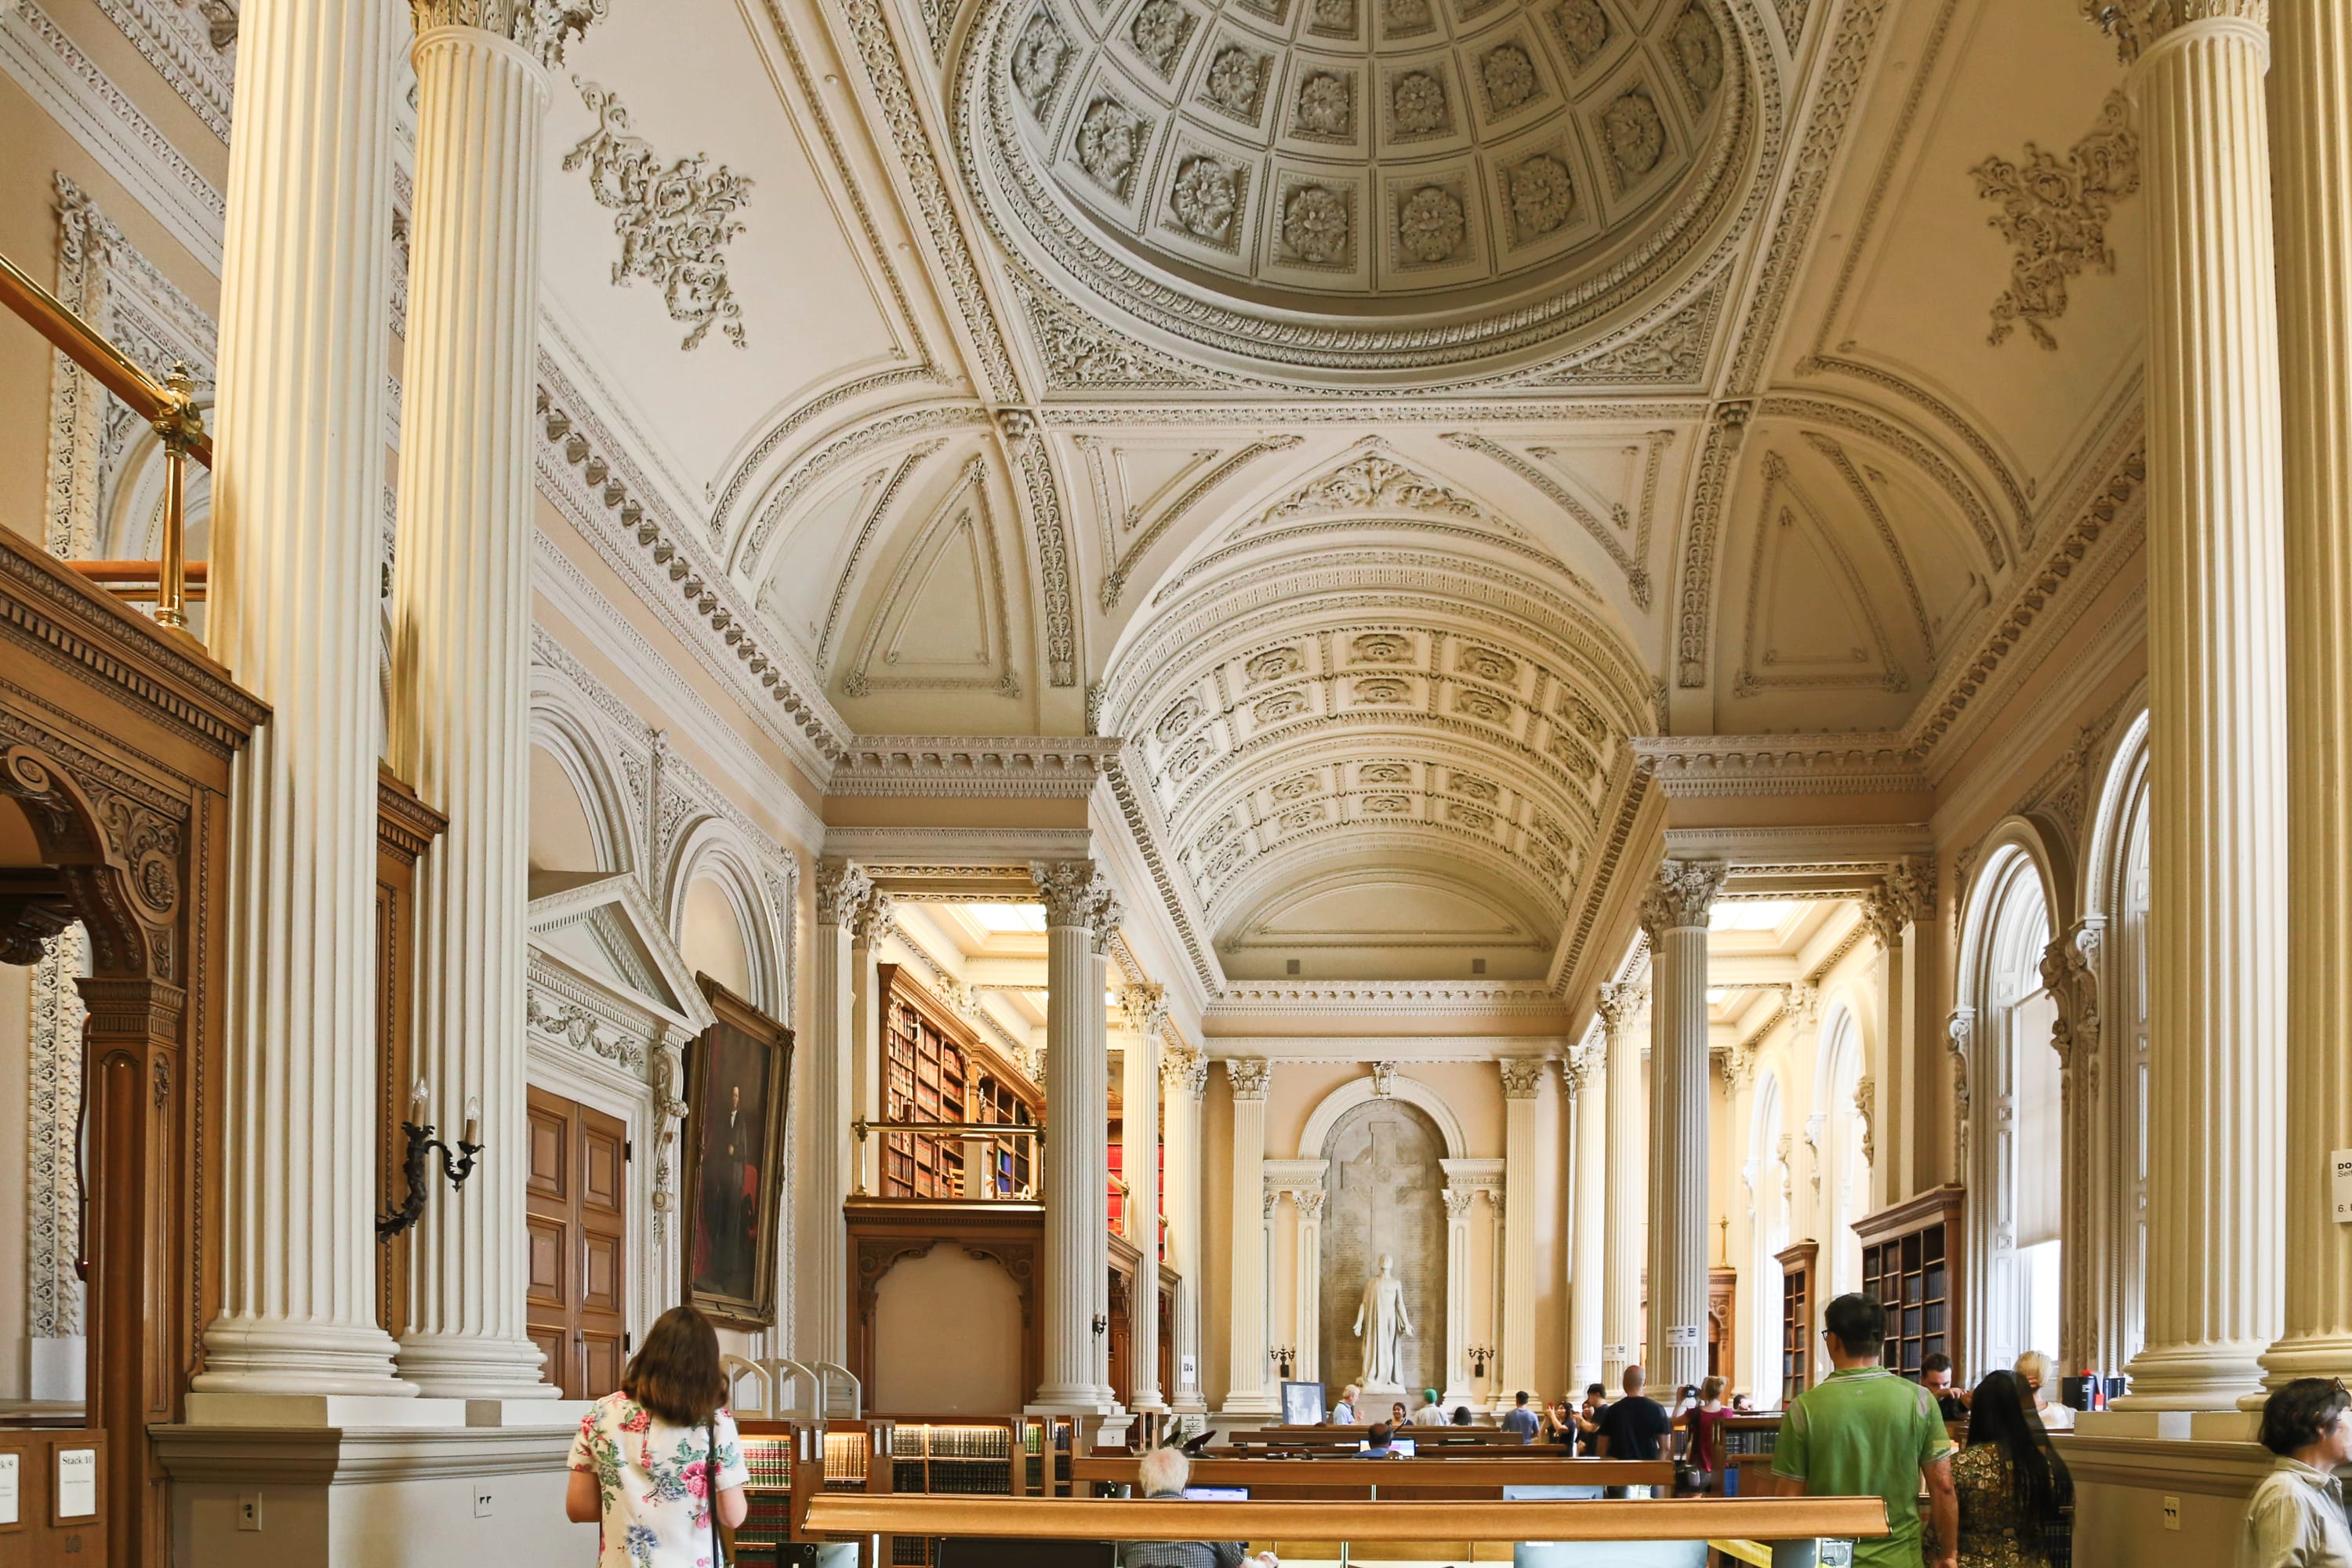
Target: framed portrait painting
737	1081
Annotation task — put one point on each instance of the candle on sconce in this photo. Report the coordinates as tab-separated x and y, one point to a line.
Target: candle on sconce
473	1119
417	1103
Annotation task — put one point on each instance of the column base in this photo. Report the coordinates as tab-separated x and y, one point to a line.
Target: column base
2215	1375
474	1366
1248	1406
1071	1401
1189	1402
1455	1398
2307	1355
247	1356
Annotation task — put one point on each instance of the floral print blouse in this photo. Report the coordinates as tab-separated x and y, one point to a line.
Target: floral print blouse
1992	1533
655	1483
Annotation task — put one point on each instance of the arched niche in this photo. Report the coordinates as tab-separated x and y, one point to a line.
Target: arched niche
1357	1091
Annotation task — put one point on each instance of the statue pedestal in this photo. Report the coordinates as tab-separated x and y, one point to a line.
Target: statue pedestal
1378	1397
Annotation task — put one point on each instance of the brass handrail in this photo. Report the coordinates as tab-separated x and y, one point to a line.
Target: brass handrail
861	1127
168	405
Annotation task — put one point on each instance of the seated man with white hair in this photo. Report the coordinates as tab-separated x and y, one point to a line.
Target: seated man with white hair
1162	1475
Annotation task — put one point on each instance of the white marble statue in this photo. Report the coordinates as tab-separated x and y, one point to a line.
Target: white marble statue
1382	1322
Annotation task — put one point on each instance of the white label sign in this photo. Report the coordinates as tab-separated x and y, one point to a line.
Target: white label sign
2340	1162
1616	1353
1684	1336
9	1468
1188	1372
77	1483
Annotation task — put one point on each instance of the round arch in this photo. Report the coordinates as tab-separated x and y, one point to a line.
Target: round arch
715	850
1358	1090
561	725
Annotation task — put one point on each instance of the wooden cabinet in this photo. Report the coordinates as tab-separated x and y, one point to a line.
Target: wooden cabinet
576	1219
1910	1262
936	1067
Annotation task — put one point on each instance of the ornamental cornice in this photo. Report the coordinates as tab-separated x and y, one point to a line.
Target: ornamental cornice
1384	996
1680	896
2137	24
1699	767
1027	767
538	28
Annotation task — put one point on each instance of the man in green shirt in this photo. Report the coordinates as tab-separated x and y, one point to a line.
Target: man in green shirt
1865	1432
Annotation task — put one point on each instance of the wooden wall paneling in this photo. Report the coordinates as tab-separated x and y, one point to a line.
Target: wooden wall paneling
548	1226
885	1231
602	1221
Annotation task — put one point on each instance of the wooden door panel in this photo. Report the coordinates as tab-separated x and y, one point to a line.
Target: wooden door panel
548	1172
599	1283
601	1359
602	1151
555	1344
577	1204
550	1241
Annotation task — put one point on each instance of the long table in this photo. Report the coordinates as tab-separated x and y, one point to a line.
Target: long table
1389	1479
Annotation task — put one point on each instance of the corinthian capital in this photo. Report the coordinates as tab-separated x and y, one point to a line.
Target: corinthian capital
1681	896
539	27
1070	889
1905	897
1620	1002
1521	1077
1249	1075
2137	24
1146	1007
842	889
872	919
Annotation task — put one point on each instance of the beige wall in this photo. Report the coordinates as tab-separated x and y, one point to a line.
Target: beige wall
947	1338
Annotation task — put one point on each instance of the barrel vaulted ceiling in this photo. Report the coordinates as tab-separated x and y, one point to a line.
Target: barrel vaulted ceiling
1642	366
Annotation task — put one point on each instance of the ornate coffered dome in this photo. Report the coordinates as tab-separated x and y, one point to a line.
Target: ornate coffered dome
1359	184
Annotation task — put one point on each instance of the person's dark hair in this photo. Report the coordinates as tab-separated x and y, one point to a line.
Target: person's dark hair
1936	1361
1461	1415
2001	1412
1600	1388
1379	1436
2301	1411
1523	1397
1859	1322
675	1373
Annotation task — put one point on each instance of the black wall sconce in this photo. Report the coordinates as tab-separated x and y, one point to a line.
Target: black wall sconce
455	1165
1286	1359
1101	1325
1481	1358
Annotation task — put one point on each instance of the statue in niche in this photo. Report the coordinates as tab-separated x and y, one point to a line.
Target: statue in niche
1380	1323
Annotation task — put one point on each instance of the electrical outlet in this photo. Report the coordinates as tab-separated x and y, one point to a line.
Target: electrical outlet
248	1511
2172	1513
482	1503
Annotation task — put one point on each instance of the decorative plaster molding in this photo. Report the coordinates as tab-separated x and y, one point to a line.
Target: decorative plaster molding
192	46
2137	24
1521	1075
1680	896
1637	574
53	1062
1248	1077
672	222
1115	582
843	890
1725	433
2055	213
1701	766
42	58
1041	768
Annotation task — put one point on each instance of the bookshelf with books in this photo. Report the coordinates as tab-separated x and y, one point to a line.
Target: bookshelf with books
1911	1263
937	1068
1797	1305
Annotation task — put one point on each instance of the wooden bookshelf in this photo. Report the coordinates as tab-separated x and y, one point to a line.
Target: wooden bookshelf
1799	1265
1911	1263
936	1067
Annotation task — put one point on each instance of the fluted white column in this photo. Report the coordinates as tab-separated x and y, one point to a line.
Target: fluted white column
1675	913
1626	1185
869	927
1585	1082
1076	1266
2310	75
821	1260
1245	1377
1906	1158
2217	928
1184	1080
1522	1078
305	286
1146	1011
460	720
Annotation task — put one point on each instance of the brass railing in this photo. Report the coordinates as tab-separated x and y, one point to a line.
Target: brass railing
983	1133
169	406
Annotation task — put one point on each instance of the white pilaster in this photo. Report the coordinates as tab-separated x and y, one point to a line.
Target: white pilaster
1620	1223
1184	1079
2217	928
1308	1202
297	494
1459	1385
1245	1376
1521	1079
1585	1079
1076	1266
2313	142
460	719
1906	1158
1146	1011
821	1262
870	926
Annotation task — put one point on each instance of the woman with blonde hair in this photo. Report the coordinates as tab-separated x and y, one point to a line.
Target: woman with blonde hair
1704	1422
2034	1369
657	1465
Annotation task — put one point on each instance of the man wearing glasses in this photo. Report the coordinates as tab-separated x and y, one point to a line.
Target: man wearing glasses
1865	1432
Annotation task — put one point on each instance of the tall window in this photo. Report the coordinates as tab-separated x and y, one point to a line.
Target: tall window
1845	1178
1768	1175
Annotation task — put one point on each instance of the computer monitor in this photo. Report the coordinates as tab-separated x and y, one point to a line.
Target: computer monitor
1401	1446
1216	1494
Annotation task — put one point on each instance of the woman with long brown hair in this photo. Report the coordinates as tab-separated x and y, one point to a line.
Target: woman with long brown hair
652	1459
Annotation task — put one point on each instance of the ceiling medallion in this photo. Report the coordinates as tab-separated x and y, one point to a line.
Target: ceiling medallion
1522	169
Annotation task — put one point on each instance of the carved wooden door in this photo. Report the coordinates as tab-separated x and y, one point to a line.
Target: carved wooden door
575	1303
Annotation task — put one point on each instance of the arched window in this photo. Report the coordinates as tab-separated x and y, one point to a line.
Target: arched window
2113	1306
2015	1128
1767	1179
1845	1173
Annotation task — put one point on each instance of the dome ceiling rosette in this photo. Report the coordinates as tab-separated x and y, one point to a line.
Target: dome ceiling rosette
1353	187
1328	734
